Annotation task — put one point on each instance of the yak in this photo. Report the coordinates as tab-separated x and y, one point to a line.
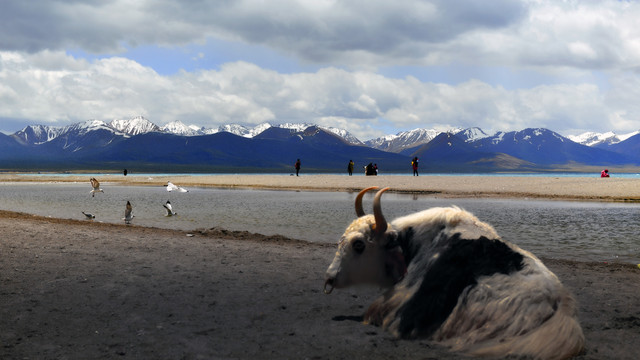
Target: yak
450	278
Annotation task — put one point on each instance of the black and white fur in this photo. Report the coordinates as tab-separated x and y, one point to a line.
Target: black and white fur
452	279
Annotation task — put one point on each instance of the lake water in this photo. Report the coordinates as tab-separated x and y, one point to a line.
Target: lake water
586	231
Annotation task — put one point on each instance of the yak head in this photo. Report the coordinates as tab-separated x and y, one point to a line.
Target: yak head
368	251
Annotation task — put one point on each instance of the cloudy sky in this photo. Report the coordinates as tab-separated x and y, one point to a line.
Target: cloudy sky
373	67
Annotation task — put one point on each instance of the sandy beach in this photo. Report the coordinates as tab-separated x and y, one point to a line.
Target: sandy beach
87	290
579	188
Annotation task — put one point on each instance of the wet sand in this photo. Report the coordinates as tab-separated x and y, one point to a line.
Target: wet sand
87	290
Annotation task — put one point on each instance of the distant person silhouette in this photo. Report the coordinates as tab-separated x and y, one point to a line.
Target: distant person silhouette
125	172
297	166
370	170
350	167
414	165
604	173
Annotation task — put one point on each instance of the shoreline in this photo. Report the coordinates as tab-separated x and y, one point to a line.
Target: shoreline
76	289
561	188
241	235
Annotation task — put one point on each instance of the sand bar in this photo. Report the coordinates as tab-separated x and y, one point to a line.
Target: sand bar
579	188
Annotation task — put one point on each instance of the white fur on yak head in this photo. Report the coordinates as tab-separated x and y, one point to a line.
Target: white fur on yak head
368	252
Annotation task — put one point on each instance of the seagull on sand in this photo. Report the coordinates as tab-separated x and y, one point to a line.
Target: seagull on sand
89	215
95	184
170	187
128	216
169	208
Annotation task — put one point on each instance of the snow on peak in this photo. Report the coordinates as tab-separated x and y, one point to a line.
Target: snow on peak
471	134
38	134
343	134
179	128
498	137
135	126
624	137
258	129
591	138
87	126
403	140
297	127
236	129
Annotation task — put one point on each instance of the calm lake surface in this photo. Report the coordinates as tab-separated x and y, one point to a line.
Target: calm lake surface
586	231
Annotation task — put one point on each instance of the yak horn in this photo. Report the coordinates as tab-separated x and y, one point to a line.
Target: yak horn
381	223
359	210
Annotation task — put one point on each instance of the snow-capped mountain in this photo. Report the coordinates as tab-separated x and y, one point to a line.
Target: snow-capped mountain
250	132
40	134
297	127
350	138
260	128
593	138
137	142
597	139
545	147
82	128
471	134
179	128
135	126
403	140
84	137
625	137
529	136
37	134
237	129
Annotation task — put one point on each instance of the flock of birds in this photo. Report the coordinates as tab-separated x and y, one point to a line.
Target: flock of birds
128	211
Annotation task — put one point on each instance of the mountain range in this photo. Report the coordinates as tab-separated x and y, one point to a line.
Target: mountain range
140	145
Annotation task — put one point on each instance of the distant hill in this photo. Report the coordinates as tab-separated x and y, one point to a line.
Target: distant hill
545	147
629	146
12	154
451	153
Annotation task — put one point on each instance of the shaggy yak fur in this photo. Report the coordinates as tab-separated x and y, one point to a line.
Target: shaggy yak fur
451	278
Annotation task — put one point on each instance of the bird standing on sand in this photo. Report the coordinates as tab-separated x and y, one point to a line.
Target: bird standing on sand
89	215
169	209
95	184
128	213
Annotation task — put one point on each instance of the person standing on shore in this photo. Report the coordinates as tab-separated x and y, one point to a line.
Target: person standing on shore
414	165
297	166
350	167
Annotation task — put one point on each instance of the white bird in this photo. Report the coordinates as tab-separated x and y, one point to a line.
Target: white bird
95	184
128	213
169	208
170	187
89	216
